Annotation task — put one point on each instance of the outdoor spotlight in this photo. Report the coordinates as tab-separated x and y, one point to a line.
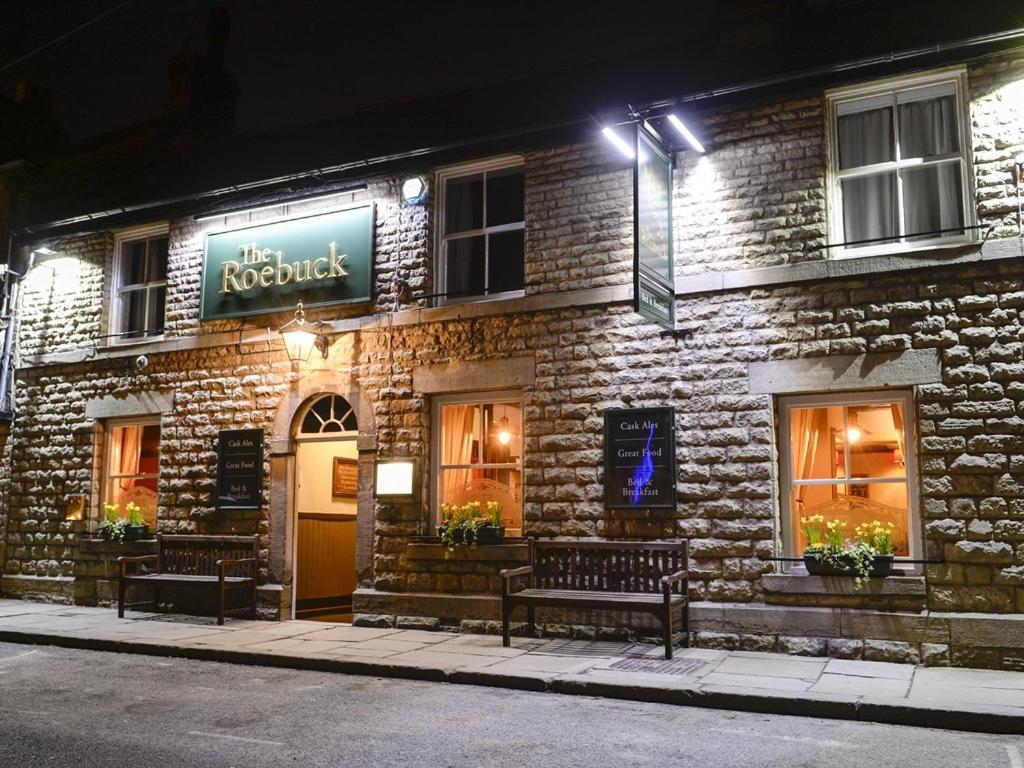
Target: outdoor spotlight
300	337
686	133
618	141
394	478
414	190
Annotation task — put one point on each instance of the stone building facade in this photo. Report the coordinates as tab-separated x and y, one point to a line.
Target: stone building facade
773	314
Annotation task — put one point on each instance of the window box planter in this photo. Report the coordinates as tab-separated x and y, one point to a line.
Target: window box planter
881	566
136	532
490	534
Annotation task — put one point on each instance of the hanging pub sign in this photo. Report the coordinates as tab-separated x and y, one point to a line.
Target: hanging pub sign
653	278
318	260
239	468
639	458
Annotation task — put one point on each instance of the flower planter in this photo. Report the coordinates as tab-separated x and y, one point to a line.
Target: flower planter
136	532
489	534
880	566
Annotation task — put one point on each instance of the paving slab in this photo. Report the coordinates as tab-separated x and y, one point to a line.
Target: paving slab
861	686
532	663
772	667
881	669
981	678
756	681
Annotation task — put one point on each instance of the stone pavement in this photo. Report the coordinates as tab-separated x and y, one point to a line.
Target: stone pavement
955	698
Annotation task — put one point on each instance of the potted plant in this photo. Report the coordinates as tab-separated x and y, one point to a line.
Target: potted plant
458	525
828	553
112	527
137	527
492	531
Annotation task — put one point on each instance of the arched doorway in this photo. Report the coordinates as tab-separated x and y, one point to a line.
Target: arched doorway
326	507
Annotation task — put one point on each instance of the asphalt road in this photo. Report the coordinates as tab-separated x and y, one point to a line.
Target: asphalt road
79	709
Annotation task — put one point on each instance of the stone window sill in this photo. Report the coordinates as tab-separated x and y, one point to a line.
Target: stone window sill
513	550
117	549
804	584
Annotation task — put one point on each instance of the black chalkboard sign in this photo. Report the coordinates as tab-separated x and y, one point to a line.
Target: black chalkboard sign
239	468
639	458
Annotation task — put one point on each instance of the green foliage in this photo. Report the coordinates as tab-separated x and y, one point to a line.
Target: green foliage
460	525
827	543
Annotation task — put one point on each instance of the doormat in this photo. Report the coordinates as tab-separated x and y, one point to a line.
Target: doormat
660	666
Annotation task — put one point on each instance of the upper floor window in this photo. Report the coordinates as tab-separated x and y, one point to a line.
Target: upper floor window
899	164
850	458
140	284
481	226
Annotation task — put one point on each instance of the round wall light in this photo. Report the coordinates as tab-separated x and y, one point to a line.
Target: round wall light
414	190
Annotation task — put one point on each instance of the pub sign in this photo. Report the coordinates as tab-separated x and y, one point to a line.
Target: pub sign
239	469
318	260
639	458
653	277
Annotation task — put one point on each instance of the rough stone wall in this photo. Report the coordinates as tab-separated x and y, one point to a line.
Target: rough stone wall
757	199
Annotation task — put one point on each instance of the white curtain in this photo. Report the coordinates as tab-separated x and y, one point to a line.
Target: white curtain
932	197
869	202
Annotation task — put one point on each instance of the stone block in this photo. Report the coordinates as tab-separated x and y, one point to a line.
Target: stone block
377	620
803	646
845	649
418	622
891	650
935	654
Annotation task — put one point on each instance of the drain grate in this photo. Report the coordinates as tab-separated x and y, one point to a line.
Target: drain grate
566	647
659	666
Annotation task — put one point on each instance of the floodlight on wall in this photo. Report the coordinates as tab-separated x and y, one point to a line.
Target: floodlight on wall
414	190
619	143
394	479
686	133
301	336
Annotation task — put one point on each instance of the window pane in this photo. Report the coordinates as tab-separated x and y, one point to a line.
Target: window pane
506	261
464	203
133	262
854	505
816	443
932	200
157	259
460	432
133	313
503	486
869	209
155	318
876	438
865	138
502	439
929	127
464	268
504	196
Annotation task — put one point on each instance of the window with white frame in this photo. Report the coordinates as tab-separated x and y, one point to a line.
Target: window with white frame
478	454
140	284
132	465
849	457
899	162
481	230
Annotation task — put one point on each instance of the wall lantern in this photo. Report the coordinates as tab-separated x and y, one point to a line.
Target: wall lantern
414	190
394	479
300	337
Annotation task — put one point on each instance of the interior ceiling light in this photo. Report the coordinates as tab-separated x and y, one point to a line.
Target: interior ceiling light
619	143
686	133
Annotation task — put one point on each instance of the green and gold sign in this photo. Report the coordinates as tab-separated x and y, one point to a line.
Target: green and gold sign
318	260
653	279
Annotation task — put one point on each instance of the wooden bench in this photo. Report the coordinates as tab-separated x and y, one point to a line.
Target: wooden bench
218	564
643	576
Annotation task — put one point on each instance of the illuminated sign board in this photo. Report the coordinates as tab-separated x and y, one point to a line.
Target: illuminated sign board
653	279
318	260
639	458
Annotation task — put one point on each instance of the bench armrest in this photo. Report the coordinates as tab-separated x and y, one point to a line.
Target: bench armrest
508	574
668	581
223	565
123	561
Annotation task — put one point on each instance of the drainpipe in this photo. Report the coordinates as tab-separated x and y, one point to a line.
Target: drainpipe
8	314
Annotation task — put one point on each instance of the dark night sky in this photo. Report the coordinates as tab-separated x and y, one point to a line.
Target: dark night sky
302	60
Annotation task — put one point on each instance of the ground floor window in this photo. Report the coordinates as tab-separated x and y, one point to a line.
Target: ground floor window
846	457
132	466
478	454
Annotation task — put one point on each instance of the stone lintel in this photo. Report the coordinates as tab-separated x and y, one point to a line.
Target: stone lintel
841	372
145	403
457	376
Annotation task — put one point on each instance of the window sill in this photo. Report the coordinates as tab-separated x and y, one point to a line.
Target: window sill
896	260
430	548
100	547
478	299
130	343
804	584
